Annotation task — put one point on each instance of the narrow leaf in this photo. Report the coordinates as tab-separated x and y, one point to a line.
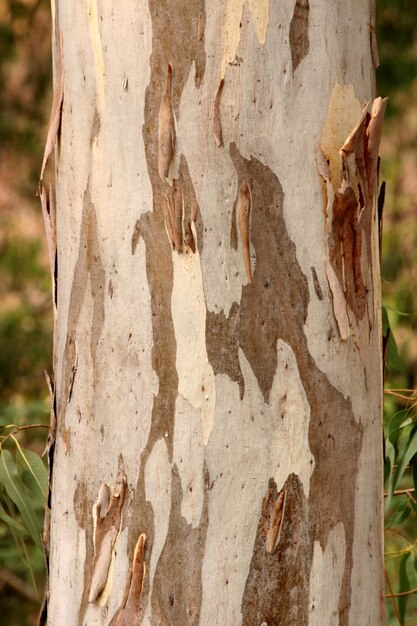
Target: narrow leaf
8	519
33	463
17	493
404	586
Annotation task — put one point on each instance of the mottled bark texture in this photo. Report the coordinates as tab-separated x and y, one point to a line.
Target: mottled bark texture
214	248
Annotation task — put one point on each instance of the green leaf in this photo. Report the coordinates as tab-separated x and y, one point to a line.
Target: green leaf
404	586
16	491
409	452
8	519
402	511
33	472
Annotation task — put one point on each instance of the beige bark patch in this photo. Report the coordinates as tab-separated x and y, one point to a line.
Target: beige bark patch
326	579
195	374
259	10
100	72
343	112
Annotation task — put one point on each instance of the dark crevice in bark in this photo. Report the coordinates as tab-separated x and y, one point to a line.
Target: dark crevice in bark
275	307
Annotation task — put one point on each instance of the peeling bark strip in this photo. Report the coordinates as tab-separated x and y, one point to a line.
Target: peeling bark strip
275	307
349	216
217	123
55	118
129	615
299	40
244	205
49	220
107	517
166	129
276	518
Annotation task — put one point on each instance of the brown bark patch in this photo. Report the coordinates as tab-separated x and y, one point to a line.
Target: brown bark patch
275	307
222	341
277	287
299	40
176	41
275	591
177	587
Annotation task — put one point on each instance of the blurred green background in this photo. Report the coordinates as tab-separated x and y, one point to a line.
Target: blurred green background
25	299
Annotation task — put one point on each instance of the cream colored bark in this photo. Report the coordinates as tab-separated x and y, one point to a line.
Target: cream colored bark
217	347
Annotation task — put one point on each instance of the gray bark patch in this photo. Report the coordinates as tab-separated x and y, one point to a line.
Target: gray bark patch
177	589
275	307
299	40
277	582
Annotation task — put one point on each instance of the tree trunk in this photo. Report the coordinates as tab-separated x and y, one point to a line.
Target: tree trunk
218	454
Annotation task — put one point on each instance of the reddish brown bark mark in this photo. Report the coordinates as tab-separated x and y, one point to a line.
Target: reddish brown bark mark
275	307
177	588
345	250
349	220
276	591
217	123
130	614
299	40
222	342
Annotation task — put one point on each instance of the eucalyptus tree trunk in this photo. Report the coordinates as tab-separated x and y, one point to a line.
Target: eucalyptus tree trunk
218	340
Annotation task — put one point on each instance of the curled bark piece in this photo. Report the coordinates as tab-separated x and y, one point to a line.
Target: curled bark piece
217	124
350	214
166	129
107	517
55	118
275	524
52	422
129	615
244	205
338	297
49	220
373	132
